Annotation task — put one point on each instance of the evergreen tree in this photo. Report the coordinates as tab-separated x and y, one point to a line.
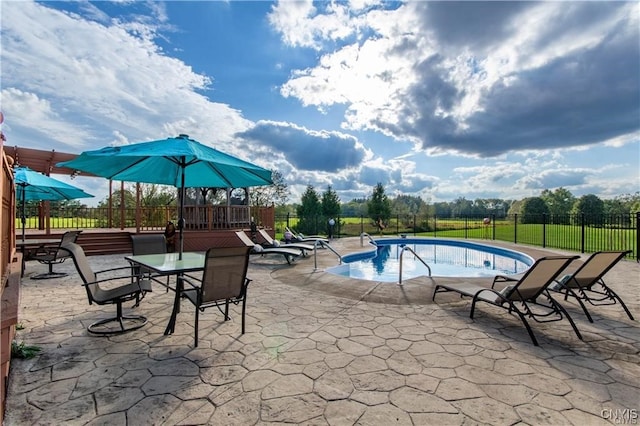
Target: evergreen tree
330	203
379	206
331	210
309	211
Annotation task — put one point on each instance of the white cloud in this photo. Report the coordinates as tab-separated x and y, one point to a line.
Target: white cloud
107	78
481	78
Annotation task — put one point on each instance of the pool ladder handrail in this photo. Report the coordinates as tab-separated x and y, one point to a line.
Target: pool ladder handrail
315	252
405	248
364	234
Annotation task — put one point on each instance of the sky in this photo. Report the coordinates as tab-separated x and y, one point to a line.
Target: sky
440	100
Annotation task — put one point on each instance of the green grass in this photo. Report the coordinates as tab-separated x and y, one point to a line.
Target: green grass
566	237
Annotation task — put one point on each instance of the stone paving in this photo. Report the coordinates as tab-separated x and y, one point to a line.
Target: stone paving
323	350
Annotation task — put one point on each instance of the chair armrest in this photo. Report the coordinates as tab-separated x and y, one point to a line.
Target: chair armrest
120	268
502	279
189	279
132	278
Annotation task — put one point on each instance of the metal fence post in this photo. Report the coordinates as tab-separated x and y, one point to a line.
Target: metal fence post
544	229
515	228
582	233
637	236
493	226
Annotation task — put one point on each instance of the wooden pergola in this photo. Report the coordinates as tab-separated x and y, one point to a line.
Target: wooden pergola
41	161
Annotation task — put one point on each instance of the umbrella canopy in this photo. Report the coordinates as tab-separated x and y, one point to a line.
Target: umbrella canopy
31	185
180	161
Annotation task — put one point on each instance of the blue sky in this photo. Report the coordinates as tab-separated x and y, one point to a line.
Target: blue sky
436	99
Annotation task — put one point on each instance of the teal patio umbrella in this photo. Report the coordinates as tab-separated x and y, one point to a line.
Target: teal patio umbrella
179	161
32	186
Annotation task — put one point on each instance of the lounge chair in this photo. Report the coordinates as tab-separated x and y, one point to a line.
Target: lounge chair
523	296
586	282
271	243
224	281
256	249
52	255
122	287
301	238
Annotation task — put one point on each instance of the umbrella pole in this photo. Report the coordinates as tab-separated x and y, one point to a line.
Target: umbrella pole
22	216
181	220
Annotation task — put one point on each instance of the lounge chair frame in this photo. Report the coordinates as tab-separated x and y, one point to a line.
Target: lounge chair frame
271	243
289	254
130	287
529	297
224	281
580	285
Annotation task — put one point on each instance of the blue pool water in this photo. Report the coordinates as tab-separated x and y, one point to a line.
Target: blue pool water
446	258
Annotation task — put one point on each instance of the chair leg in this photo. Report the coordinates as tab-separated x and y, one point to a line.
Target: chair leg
138	320
616	297
568	292
563	310
49	274
528	327
244	309
195	343
511	309
226	310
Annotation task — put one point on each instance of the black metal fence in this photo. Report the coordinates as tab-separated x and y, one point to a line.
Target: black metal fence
580	233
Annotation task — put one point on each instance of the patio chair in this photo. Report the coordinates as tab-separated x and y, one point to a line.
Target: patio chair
271	243
149	244
586	283
224	281
529	296
256	249
52	255
122	287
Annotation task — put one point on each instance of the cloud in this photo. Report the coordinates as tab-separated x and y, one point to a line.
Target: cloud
551	179
482	79
104	77
308	149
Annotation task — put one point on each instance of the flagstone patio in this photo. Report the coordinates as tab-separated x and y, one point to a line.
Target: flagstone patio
326	350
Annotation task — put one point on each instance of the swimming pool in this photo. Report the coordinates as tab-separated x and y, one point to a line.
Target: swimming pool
446	258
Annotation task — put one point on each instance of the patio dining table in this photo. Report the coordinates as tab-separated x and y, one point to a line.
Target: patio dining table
171	264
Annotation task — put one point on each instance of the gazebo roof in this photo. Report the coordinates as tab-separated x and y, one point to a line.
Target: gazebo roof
41	161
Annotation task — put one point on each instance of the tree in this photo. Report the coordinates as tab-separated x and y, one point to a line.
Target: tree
152	195
355	208
560	203
461	207
532	210
591	208
330	208
277	194
330	203
379	206
309	211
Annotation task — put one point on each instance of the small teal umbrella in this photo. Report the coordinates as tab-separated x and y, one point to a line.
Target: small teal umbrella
31	186
180	161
